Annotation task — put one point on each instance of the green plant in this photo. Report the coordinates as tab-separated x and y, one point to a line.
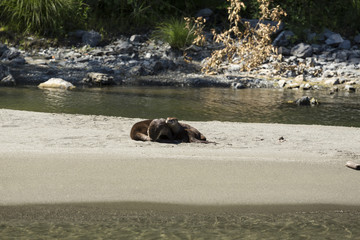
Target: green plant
46	17
175	32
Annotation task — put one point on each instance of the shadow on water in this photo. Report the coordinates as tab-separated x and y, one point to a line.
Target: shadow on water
197	104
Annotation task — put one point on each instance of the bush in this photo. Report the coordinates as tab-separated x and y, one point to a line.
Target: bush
45	17
175	32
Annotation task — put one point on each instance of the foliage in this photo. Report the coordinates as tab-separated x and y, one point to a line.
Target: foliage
42	16
342	16
243	44
175	32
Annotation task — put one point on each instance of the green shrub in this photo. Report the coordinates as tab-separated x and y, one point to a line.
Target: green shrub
175	33
46	17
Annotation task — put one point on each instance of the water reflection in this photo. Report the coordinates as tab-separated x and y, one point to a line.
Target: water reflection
199	104
56	98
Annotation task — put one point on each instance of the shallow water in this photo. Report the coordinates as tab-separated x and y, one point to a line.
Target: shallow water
157	221
198	104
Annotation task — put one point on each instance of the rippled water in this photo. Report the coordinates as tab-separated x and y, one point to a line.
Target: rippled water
149	221
199	104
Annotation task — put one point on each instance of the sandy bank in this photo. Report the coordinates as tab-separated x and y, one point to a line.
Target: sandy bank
60	158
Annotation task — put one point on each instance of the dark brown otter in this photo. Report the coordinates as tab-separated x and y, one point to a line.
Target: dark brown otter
159	131
139	131
184	132
152	130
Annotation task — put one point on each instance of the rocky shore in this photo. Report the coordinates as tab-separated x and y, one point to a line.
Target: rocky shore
139	60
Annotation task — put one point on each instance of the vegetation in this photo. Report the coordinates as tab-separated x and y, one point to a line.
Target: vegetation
45	17
243	44
175	33
58	17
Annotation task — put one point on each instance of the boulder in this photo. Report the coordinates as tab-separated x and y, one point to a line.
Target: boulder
302	50
3	48
98	79
283	39
334	40
91	38
124	47
306	101
205	13
349	88
10	54
137	38
346	44
8	81
56	83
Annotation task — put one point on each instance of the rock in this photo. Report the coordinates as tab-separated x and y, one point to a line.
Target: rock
283	39
306	101
91	38
124	47
346	44
349	88
334	40
302	50
98	79
305	86
137	38
292	85
10	53
333	81
8	81
4	71
342	56
284	51
238	85
328	74
281	83
205	13
357	39
3	48
327	33
56	83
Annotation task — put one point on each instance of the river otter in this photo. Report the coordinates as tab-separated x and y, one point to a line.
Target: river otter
152	130
159	131
139	131
185	132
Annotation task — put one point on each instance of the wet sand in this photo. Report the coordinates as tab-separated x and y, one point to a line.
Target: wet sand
59	158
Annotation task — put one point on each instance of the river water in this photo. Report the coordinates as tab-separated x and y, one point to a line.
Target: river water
198	104
117	221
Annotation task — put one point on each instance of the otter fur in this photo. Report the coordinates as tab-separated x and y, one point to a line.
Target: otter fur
152	130
159	131
184	132
139	131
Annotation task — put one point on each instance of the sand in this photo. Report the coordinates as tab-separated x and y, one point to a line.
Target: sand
61	158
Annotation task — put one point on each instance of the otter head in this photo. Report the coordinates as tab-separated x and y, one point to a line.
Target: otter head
172	121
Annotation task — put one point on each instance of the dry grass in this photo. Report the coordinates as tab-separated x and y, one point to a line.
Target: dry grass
244	45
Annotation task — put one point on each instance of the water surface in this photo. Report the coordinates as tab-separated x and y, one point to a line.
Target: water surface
198	104
157	221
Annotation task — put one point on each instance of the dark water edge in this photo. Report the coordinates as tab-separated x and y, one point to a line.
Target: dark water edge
171	221
195	104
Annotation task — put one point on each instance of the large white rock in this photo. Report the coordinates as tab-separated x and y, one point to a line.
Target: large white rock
56	83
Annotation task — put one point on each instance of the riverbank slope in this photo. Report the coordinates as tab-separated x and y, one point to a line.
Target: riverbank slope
61	158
